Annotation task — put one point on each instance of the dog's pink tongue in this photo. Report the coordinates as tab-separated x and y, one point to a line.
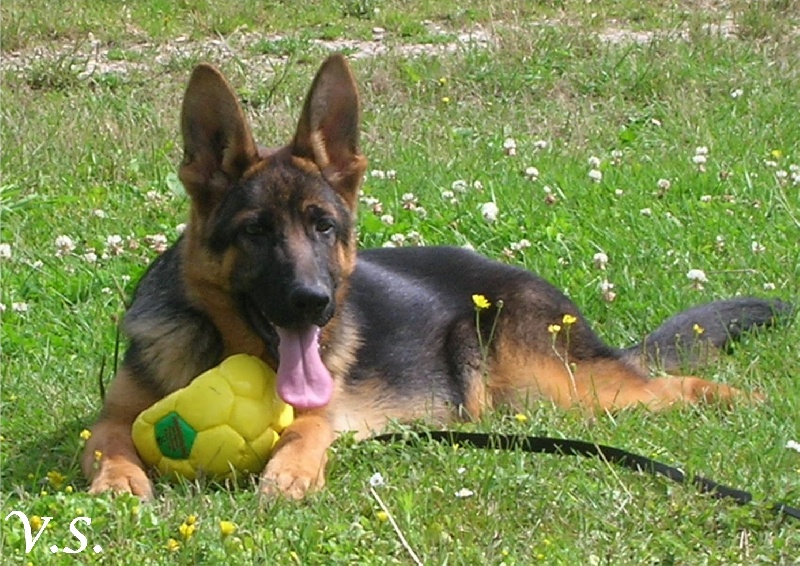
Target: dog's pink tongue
303	380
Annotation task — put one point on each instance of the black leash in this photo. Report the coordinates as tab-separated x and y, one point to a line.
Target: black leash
567	447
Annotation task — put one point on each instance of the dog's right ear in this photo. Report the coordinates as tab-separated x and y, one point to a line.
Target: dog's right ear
218	144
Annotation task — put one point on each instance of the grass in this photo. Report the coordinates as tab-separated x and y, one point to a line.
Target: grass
75	143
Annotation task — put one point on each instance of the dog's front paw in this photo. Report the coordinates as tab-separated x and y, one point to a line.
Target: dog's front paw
289	479
122	476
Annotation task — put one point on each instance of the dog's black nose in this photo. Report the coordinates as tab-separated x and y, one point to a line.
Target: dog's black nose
310	300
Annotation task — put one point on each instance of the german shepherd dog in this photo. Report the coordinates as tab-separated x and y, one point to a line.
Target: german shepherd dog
268	266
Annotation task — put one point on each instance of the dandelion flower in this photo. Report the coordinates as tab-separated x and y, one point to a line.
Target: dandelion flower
227	528
187	530
481	302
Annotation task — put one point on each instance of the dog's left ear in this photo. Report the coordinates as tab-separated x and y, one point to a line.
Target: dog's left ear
327	133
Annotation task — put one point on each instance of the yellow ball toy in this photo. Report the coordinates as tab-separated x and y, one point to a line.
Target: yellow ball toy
224	423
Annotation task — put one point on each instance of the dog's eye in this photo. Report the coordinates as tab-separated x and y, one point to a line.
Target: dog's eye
253	229
324	225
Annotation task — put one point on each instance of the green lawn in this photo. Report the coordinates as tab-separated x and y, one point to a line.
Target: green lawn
689	112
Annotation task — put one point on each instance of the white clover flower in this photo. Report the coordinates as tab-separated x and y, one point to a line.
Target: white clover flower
607	291
702	150
793	445
387	219
781	174
377	174
663	184
510	146
594	162
376	480
532	173
489	210
5	251
736	93
757	248
408	197
616	154
770	163
540	144
646	212
699	159
464	493
398	239
157	242
705	198
90	256
459	186
64	245
697	277
99	213
3	307
596	175
600	260
447	195
769	286
391	174
618	192
389	244
468	246
19	307
180	228
414	237
477	185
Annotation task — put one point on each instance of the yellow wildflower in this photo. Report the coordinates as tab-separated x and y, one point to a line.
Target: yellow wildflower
776	153
85	434
69	489
446	99
569	320
186	530
191	519
98	455
382	516
521	418
36	522
481	302
173	545
442	81
698	329
554	329
56	478
227	528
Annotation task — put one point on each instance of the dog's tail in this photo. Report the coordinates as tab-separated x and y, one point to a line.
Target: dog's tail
695	336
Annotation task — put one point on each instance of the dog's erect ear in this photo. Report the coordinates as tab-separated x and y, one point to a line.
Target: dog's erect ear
328	129
218	144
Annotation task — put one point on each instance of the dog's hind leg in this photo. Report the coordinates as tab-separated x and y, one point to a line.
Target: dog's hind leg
109	459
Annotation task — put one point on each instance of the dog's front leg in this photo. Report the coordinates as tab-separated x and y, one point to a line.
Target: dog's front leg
297	465
110	460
